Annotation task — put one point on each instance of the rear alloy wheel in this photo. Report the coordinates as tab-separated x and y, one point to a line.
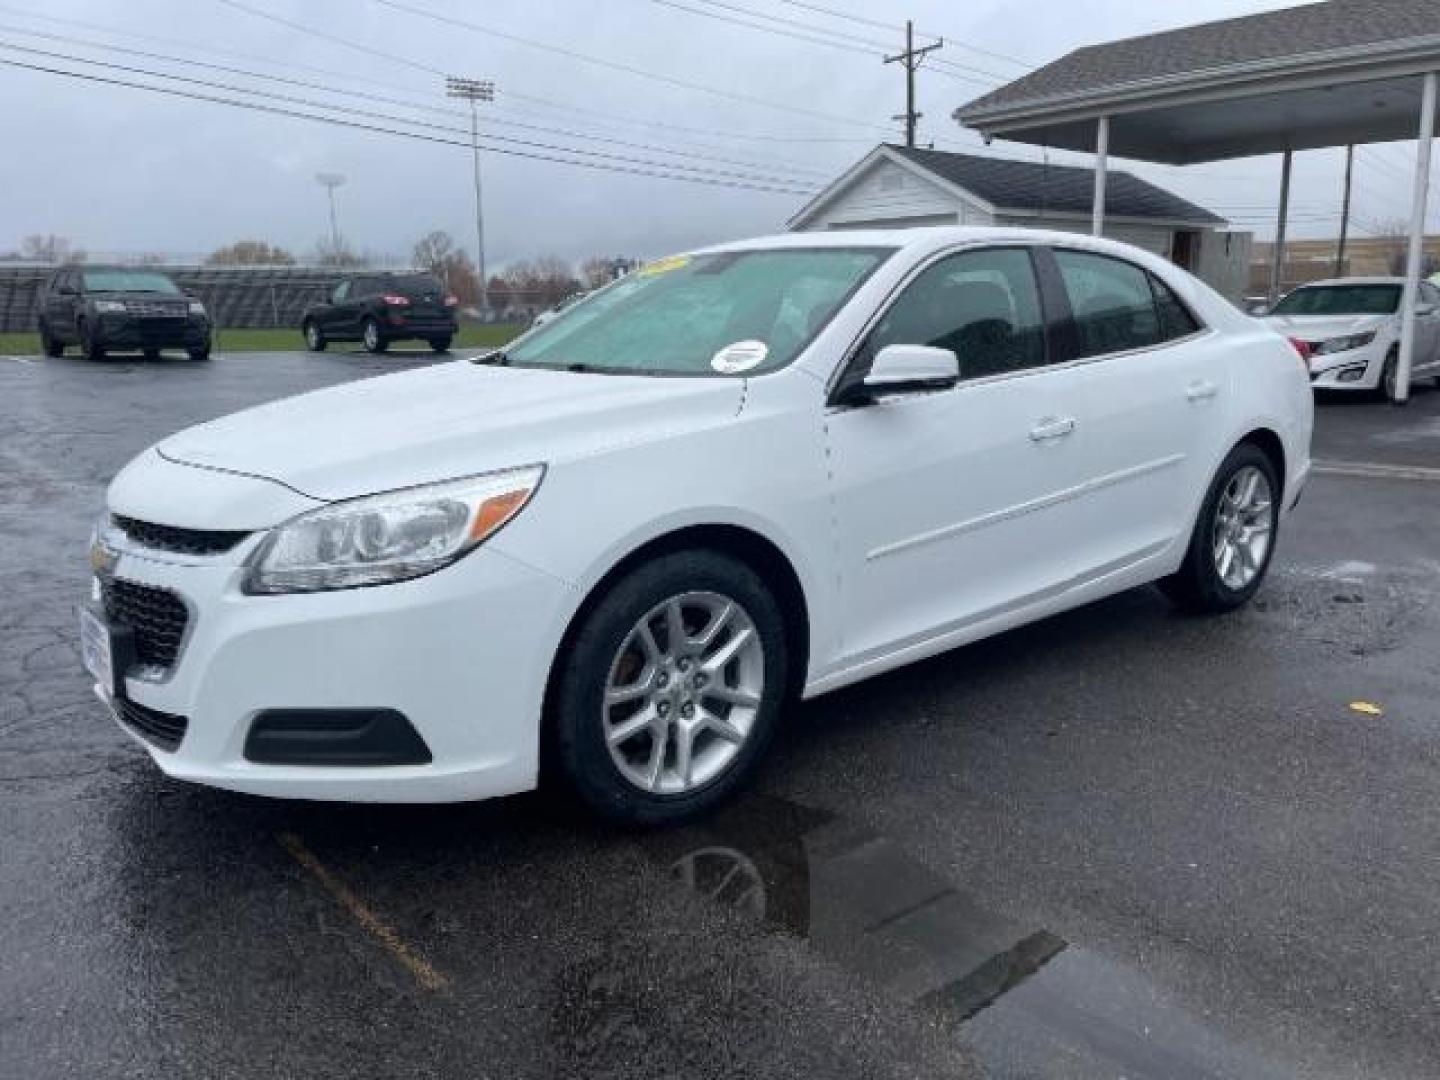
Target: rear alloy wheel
314	339
1234	536
374	340
440	344
671	689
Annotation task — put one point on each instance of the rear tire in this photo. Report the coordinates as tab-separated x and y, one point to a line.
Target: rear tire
704	714
152	354
314	339
1207	582
372	338
440	344
49	345
200	355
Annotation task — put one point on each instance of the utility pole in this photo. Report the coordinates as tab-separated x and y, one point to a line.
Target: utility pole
1345	213
475	91
911	58
330	181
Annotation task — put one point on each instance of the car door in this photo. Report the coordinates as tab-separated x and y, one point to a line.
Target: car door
333	315
1147	392
1427	329
949	504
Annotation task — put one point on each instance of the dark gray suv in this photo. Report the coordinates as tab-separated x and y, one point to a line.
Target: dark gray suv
116	309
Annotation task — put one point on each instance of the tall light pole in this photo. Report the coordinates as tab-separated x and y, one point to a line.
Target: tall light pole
330	181
475	91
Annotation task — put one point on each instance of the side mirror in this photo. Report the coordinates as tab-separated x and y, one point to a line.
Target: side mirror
900	369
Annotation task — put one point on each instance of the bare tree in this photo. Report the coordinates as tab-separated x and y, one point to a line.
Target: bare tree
434	251
250	253
50	248
438	253
540	283
600	270
339	253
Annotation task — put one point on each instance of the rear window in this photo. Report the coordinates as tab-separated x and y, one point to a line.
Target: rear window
412	284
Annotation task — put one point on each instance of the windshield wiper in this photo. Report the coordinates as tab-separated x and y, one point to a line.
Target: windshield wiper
495	358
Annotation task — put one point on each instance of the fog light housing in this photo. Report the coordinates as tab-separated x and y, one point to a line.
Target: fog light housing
1351	374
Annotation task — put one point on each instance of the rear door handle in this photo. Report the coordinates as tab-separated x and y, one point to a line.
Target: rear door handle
1052	427
1201	390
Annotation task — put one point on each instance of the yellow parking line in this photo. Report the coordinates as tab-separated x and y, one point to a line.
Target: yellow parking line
418	966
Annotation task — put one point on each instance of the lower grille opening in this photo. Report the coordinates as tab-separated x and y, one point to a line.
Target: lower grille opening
339	737
160	729
156	617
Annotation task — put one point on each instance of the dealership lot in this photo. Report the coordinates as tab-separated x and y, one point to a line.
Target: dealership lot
1121	842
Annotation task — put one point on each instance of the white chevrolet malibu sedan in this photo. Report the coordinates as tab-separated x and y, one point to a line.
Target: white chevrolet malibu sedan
740	476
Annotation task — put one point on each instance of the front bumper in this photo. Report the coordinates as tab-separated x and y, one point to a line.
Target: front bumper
1355	369
133	332
463	654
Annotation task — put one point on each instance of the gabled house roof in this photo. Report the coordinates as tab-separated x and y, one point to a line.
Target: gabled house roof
1287	36
1004	185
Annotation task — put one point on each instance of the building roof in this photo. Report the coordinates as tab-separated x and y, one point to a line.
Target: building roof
1007	184
1287	34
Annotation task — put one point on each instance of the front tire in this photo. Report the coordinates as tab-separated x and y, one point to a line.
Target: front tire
314	339
1234	537
440	344
1389	388
670	691
49	345
200	355
91	345
373	339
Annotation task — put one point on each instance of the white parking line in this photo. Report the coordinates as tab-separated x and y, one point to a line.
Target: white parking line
1375	470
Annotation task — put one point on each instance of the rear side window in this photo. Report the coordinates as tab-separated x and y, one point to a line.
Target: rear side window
984	306
1112	302
1176	321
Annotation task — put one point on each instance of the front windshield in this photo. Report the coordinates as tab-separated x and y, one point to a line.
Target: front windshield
129	281
728	313
1341	300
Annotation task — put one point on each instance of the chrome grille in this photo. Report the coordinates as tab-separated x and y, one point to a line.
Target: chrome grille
159	309
173	538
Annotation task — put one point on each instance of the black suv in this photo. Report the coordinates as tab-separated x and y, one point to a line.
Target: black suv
104	309
380	308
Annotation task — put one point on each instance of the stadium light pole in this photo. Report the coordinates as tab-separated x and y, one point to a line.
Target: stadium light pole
475	91
330	181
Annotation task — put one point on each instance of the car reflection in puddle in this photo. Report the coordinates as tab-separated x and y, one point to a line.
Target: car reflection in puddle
1029	1003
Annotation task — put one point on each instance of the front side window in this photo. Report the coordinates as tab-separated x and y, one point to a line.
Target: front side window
724	313
129	281
983	306
341	293
1112	302
1341	300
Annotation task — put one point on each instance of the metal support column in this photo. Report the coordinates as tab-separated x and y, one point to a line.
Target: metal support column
1417	238
1102	155
1277	269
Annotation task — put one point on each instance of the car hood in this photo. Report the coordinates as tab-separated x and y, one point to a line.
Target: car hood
449	420
1320	327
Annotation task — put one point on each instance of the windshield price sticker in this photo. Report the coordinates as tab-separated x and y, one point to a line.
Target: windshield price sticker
664	266
741	356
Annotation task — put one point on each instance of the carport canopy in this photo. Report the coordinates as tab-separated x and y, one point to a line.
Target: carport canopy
1326	74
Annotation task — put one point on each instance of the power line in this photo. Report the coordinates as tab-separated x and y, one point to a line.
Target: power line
778	167
616	66
877	24
610	118
335	121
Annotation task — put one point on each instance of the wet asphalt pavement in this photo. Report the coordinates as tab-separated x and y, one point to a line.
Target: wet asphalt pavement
1118	843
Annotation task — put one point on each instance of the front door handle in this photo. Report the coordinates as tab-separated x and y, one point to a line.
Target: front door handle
1052	427
1201	390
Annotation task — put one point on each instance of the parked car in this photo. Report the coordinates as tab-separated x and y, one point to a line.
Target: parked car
1352	328
376	309
752	473
107	309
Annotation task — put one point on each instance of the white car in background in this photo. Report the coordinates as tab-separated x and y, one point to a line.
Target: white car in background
625	544
1352	326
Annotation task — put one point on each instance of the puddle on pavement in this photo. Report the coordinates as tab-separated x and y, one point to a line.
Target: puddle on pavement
1028	1002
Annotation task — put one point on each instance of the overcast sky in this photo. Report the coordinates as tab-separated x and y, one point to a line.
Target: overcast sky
123	170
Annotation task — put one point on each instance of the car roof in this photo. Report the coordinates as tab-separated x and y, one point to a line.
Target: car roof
924	239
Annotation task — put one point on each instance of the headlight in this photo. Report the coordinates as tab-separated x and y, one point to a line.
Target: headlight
391	537
197	308
109	306
1345	344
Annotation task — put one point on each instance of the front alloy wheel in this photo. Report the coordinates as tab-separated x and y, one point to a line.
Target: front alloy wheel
373	339
668	690
683	692
1241	537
